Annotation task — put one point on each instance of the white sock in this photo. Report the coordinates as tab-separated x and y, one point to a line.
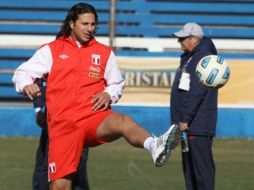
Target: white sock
147	144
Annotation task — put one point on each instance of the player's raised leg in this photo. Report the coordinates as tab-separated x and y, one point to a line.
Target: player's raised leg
117	125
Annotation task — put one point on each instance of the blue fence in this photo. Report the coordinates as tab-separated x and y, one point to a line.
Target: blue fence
142	18
232	122
225	19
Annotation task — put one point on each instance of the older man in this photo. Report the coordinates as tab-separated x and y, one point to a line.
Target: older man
194	108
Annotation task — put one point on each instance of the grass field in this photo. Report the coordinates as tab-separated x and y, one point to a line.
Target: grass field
117	166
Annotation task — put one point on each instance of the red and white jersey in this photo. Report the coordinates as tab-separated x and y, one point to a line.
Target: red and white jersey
42	61
75	73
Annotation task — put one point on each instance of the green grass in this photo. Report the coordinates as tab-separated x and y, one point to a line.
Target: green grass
117	166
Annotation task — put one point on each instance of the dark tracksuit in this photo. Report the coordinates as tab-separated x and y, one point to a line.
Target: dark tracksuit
40	175
198	108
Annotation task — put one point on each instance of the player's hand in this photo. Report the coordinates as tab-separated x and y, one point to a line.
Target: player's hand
41	119
101	100
183	126
31	91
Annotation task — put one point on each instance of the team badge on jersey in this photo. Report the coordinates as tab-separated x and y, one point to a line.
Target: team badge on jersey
96	59
52	167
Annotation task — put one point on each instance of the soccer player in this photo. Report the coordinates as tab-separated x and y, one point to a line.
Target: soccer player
40	175
83	81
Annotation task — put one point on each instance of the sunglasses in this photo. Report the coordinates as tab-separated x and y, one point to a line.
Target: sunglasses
181	39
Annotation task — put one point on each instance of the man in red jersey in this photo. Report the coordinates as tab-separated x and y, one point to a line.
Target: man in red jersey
83	81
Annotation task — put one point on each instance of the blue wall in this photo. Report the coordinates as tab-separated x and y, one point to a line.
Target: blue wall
232	122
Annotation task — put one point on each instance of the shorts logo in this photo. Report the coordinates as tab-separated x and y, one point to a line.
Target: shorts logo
52	167
94	75
96	59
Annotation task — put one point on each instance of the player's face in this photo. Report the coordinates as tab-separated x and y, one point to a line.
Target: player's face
187	43
84	27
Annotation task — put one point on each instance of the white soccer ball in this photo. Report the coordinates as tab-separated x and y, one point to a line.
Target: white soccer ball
213	71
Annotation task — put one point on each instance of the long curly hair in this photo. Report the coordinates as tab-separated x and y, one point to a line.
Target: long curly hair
72	16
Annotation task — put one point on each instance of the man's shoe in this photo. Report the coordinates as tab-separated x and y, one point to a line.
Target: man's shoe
163	145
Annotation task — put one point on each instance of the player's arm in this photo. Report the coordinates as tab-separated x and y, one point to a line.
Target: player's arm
38	65
114	86
115	81
31	90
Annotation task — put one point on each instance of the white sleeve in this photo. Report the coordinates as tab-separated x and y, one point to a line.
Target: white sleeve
115	81
37	66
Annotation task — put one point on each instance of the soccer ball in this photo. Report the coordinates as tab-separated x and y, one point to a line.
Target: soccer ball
213	71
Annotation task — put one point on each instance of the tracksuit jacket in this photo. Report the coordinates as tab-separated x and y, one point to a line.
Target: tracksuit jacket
198	106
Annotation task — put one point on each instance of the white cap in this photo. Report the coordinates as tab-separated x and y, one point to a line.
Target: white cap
190	29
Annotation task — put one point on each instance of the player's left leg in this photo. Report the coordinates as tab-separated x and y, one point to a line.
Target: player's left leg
117	125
